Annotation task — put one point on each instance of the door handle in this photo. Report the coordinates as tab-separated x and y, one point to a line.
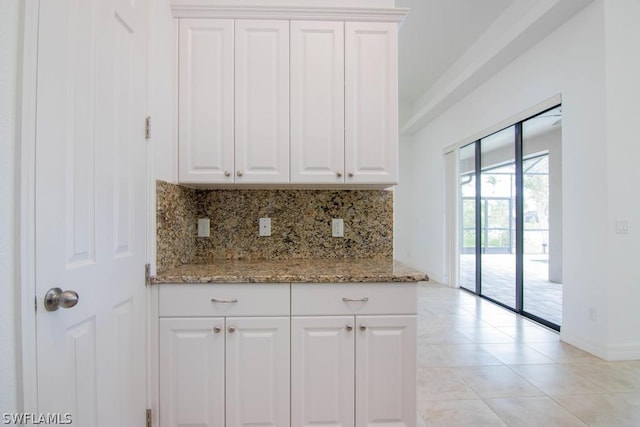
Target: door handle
56	298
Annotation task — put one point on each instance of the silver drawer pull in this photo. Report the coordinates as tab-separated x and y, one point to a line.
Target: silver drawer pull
365	299
225	301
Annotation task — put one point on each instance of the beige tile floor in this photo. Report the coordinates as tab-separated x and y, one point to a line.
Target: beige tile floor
481	365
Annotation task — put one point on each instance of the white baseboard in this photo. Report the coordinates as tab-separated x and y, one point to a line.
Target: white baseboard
630	351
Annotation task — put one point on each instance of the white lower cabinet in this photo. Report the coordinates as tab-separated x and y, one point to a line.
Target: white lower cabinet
386	371
322	371
192	372
224	370
257	389
312	355
358	369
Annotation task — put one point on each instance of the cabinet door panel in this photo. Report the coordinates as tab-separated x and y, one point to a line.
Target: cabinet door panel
386	371
206	133
317	102
322	371
371	100
191	372
258	371
262	101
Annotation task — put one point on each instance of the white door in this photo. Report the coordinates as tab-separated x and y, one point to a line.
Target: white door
192	372
322	371
371	102
386	371
317	102
91	209
262	101
257	388
206	134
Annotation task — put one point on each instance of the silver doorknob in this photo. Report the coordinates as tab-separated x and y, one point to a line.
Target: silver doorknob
217	329
349	328
363	327
56	298
227	173
231	329
239	173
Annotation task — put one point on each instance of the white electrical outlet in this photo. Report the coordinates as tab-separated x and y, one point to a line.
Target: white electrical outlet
264	227
204	227
337	227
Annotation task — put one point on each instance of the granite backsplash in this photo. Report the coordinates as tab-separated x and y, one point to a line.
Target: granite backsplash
300	224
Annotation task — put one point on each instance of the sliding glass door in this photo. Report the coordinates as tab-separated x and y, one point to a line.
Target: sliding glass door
510	218
467	243
497	195
542	225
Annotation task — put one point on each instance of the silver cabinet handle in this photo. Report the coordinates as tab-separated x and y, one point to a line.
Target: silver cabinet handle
231	329
349	328
339	174
365	299
350	174
227	173
217	329
225	301
363	327
239	173
56	298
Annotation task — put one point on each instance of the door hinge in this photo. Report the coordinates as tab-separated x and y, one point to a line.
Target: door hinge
147	274
149	424
147	127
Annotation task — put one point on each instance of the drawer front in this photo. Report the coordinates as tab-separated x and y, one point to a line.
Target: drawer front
341	299
202	300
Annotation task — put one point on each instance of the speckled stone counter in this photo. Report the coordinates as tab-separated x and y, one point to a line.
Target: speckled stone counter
293	270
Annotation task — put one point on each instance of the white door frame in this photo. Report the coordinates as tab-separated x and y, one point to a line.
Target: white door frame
26	354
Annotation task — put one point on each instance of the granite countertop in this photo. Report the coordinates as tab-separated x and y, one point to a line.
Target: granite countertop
295	271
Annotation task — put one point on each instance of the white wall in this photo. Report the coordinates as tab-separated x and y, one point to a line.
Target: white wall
9	39
597	167
622	280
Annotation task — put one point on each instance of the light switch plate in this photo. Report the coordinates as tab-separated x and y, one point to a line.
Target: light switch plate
264	227
622	226
204	227
337	227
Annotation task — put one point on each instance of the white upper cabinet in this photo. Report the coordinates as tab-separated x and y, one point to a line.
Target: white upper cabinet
206	131
304	96
262	101
317	102
371	100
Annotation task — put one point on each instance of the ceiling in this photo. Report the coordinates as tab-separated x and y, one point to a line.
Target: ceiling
435	34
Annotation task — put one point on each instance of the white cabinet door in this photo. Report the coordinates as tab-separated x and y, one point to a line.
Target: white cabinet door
192	372
206	131
262	101
386	371
371	102
317	102
322	371
257	367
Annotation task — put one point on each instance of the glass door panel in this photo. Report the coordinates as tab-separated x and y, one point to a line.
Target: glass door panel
467	256
497	182
542	228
